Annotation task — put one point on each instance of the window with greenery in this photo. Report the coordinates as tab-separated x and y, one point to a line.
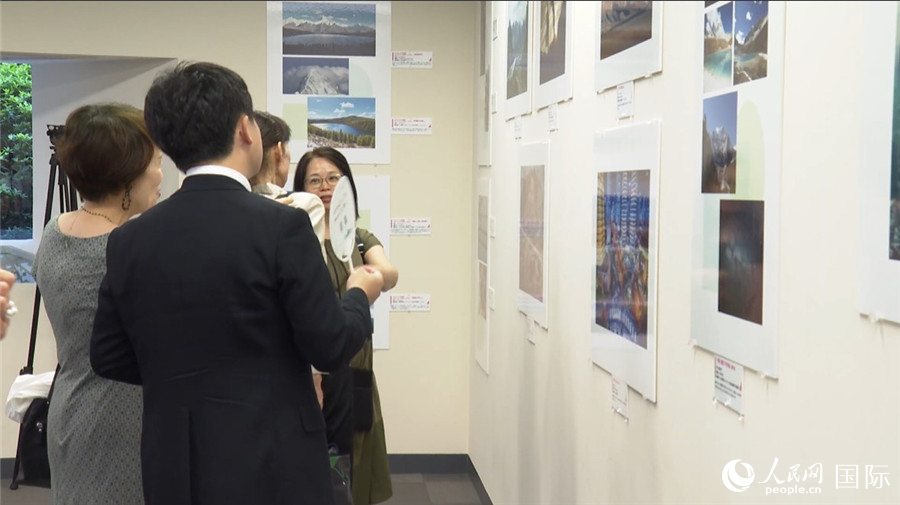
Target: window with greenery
16	203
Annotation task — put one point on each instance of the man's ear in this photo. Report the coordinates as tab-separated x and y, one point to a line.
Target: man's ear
245	127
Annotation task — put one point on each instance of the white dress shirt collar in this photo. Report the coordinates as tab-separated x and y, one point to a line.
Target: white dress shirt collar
219	170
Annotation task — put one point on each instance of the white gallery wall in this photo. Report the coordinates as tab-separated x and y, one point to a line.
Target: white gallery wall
542	428
423	377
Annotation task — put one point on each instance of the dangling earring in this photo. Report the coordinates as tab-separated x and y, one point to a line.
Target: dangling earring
126	200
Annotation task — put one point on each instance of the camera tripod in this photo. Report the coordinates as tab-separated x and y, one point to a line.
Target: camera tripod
28	469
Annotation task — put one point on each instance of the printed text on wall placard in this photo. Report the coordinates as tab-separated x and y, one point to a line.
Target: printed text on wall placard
411	226
729	384
410	303
411	126
411	59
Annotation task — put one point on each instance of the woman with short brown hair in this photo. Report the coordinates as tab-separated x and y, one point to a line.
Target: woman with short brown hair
94	424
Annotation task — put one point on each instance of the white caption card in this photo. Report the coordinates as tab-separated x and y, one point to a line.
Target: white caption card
411	59
411	226
729	384
553	117
411	126
625	99
410	303
620	396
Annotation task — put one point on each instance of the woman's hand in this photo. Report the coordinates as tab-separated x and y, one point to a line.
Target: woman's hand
7	279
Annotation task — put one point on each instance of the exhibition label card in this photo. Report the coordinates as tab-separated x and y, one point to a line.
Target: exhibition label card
553	117
729	384
411	126
411	226
625	99
411	59
517	127
410	303
620	396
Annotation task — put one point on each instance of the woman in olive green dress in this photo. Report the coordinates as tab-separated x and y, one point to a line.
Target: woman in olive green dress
318	172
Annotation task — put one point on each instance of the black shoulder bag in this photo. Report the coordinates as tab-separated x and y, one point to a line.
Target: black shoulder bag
32	466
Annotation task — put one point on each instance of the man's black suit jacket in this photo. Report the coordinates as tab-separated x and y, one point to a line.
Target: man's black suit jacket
217	301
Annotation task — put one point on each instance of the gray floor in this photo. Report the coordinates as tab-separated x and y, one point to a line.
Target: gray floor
409	489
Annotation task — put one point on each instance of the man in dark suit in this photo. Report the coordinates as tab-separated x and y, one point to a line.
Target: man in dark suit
217	301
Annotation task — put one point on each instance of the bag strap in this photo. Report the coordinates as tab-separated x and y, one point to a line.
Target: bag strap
53	384
361	246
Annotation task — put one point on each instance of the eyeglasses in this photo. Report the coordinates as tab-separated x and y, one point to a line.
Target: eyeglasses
316	182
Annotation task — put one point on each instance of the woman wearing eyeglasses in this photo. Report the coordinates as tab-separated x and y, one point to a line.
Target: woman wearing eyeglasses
318	172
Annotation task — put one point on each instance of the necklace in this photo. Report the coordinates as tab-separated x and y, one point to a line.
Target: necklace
104	216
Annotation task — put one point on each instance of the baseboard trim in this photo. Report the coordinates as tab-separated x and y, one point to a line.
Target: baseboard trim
6	467
479	486
439	463
400	463
429	463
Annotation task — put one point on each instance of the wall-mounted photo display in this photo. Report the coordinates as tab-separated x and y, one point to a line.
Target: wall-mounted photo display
553	50
482	343
628	42
624	273
718	48
879	180
534	218
719	158
484	88
734	289
518	67
331	80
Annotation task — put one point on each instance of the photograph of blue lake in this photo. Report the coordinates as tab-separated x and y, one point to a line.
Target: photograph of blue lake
717	42
328	29
338	127
341	122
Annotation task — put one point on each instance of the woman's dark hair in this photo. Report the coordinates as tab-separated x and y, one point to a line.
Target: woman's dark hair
273	130
104	149
193	109
334	156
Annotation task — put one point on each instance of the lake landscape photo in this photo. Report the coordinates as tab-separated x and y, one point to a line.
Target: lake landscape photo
717	50
341	122
328	29
751	41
